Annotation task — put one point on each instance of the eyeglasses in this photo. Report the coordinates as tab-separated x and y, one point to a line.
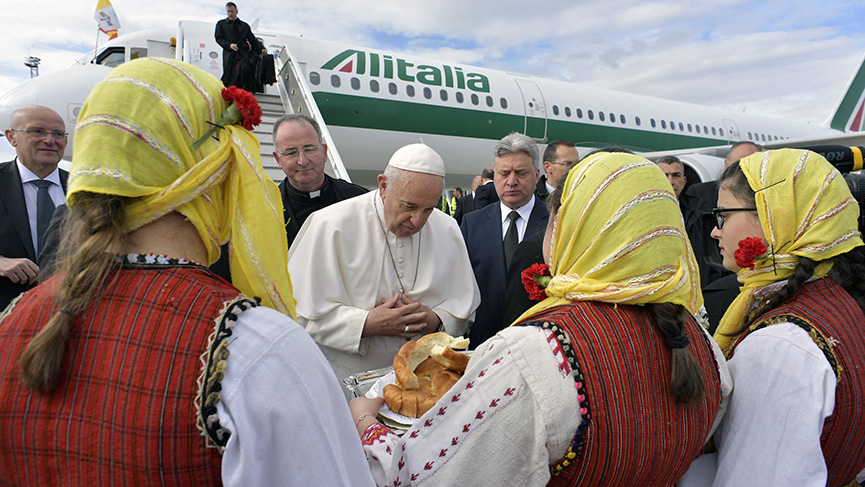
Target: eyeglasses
563	163
41	133
719	214
292	154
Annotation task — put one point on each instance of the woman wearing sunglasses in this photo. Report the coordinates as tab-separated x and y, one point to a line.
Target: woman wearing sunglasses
794	337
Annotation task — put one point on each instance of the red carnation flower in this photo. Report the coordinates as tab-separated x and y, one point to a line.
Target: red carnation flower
749	249
535	279
246	104
243	108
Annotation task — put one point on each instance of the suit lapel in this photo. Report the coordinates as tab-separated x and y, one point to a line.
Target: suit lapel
12	195
537	219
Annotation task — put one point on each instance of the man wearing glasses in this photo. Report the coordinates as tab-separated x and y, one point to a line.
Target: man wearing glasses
31	186
301	154
559	157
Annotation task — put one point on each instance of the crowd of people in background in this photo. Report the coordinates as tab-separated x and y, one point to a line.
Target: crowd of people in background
172	316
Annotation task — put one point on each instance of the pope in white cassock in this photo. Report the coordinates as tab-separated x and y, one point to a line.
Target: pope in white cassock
376	270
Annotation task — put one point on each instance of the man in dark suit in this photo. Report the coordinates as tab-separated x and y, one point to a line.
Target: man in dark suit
559	157
518	215
465	204
30	187
486	192
238	47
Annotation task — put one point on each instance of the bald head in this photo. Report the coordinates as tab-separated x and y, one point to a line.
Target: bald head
740	150
38	134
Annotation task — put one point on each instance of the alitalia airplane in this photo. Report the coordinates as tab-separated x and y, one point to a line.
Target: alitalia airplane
371	102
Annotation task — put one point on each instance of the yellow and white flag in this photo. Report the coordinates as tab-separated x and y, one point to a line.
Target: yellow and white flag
106	18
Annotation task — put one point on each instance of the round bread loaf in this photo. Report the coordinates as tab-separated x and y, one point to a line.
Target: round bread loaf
434	380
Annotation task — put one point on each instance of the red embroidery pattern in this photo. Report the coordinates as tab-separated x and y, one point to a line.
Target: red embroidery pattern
375	433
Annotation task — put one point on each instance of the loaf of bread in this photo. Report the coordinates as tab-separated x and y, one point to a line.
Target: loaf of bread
425	370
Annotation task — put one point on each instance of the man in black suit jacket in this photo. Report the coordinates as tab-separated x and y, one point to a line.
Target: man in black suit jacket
465	204
486	193
39	136
485	230
559	157
238	48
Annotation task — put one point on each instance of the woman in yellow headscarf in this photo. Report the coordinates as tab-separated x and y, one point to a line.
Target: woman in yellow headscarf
608	381
787	224
135	364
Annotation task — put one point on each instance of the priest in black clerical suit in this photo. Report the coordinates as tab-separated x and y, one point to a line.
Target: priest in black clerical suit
238	47
301	154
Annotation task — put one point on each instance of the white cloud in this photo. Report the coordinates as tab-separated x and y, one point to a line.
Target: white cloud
785	58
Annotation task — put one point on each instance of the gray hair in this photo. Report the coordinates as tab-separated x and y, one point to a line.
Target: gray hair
296	118
514	143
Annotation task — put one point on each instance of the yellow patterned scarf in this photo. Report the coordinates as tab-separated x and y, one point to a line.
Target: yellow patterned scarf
619	238
134	138
806	210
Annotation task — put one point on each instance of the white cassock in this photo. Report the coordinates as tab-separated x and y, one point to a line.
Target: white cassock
344	261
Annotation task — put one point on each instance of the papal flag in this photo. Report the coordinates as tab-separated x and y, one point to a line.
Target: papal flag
106	18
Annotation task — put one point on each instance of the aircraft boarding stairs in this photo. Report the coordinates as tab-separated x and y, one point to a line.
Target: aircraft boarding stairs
294	97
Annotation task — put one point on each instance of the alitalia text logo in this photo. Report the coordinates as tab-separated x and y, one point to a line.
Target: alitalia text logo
385	66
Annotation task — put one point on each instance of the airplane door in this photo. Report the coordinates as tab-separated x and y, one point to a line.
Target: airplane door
535	110
732	130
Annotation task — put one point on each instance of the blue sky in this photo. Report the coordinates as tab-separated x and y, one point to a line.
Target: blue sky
789	59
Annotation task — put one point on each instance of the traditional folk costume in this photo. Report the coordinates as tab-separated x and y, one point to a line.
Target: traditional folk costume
577	393
797	415
174	376
349	261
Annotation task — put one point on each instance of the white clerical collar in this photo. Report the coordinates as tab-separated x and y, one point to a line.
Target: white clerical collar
525	211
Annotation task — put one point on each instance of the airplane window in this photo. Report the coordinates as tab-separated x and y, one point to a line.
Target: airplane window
409	90
567	111
444	95
111	57
749	135
475	100
355	83
504	103
591	115
637	121
622	118
652	122
427	93
721	131
579	113
460	96
314	78
672	125
601	116
689	128
137	52
705	130
391	87
489	101
612	117
713	131
335	81
681	127
764	137
373	85
698	129
555	109
663	124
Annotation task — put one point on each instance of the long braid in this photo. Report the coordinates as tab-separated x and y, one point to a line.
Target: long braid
687	380
848	270
95	235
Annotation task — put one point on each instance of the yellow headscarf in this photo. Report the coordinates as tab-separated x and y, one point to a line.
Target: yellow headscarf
806	210
134	138
619	238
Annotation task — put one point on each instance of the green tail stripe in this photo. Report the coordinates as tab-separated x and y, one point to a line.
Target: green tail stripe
850	101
